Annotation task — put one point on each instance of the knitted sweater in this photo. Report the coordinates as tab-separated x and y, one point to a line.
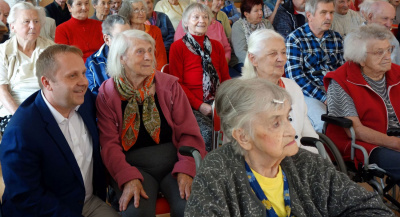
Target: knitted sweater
343	24
161	54
221	188
84	34
187	67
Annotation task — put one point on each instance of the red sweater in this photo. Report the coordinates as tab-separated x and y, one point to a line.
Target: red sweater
187	67
370	106
84	34
161	54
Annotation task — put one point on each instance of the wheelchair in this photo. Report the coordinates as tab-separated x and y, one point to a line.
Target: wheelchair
363	172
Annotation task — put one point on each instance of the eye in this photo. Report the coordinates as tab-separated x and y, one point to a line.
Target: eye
277	124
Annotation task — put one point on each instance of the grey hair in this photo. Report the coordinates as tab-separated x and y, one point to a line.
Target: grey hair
111	20
369	7
126	9
26	6
119	48
195	7
311	5
356	42
257	43
238	101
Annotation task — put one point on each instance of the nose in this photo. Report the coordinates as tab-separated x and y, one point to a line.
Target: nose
329	16
282	57
201	19
83	81
289	130
31	24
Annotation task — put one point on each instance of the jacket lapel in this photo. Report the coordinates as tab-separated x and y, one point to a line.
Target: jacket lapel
58	137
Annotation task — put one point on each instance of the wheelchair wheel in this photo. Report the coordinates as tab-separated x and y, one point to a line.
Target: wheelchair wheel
333	151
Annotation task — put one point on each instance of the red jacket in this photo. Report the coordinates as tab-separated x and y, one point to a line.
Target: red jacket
176	109
370	106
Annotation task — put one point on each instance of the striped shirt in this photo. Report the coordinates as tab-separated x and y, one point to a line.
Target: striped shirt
340	104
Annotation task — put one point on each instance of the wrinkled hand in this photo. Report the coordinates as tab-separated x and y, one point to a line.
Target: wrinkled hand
131	189
185	185
205	109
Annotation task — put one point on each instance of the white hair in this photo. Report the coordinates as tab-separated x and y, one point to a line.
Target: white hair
239	101
258	42
121	43
356	42
126	9
367	7
311	5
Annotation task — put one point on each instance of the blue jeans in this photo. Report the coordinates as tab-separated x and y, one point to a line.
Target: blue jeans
387	159
315	109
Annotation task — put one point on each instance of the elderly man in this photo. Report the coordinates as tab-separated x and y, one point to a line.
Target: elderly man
382	13
290	16
313	50
51	161
58	10
96	64
101	9
346	20
115	6
5	11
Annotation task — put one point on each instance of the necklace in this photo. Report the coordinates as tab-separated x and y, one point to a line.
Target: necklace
172	6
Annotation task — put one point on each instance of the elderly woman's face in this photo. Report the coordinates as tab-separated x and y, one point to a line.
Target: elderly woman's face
79	9
255	15
198	23
27	26
270	64
378	57
103	7
138	13
139	58
273	135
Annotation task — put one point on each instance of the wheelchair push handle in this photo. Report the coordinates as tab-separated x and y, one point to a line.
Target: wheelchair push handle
191	152
338	121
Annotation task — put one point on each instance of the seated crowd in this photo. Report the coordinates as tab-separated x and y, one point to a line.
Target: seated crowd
98	105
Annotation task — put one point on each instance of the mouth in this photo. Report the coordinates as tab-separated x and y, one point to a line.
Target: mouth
291	143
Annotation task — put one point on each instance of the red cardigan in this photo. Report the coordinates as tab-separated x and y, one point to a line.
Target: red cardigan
161	54
370	106
84	34
187	67
176	109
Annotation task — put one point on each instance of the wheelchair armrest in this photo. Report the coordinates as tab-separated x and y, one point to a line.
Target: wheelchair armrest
191	152
309	141
393	132
341	122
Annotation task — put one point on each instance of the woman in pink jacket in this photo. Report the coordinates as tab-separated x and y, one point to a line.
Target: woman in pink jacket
144	117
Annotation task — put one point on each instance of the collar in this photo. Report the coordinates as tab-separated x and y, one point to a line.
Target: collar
103	50
57	115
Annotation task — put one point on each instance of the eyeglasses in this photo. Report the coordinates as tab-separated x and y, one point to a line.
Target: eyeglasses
139	11
382	52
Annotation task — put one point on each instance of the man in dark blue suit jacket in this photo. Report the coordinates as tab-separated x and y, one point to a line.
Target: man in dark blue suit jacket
50	153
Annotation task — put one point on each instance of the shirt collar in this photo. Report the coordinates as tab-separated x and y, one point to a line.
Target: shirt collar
57	115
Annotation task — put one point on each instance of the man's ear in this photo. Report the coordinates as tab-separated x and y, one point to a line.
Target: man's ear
242	138
46	83
309	16
369	17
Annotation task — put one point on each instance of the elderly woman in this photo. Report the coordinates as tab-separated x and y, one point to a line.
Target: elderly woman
251	20
215	30
135	11
143	118
18	58
366	90
266	58
262	172
80	31
162	21
173	9
115	6
101	9
199	63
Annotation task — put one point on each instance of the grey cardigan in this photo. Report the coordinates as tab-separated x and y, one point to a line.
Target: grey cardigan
221	188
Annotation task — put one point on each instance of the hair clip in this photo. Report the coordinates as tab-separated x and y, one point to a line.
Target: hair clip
231	104
277	101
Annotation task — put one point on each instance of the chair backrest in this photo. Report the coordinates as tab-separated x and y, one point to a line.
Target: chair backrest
217	135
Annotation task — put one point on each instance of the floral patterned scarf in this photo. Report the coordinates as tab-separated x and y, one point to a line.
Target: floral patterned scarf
131	119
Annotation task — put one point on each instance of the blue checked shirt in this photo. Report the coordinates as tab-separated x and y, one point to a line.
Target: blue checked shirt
307	54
